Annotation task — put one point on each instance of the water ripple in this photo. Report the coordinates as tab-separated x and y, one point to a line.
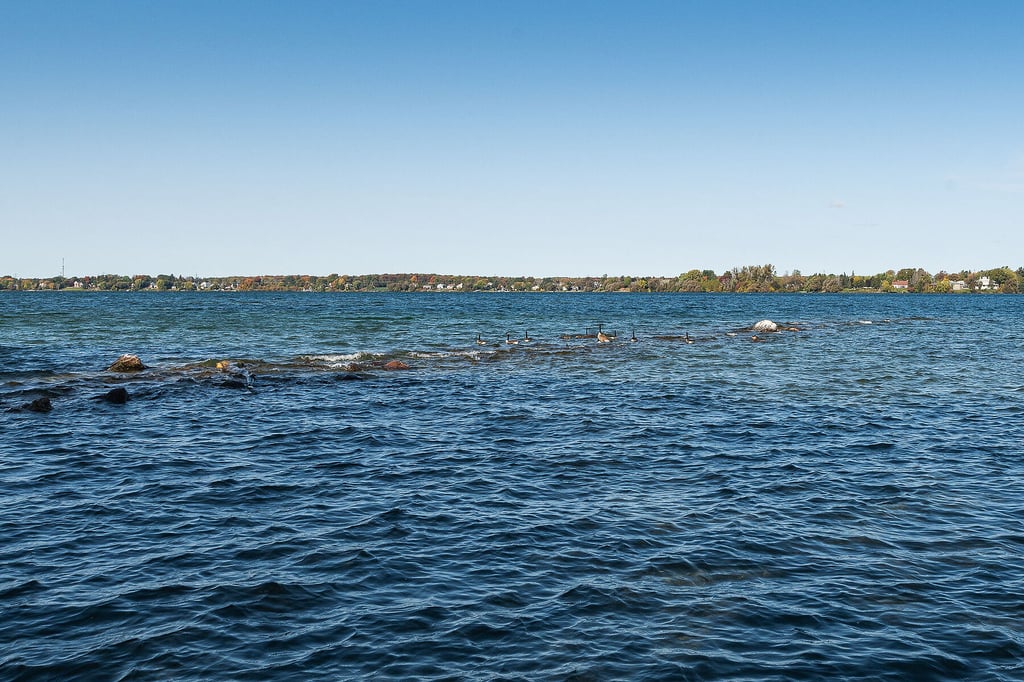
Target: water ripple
838	503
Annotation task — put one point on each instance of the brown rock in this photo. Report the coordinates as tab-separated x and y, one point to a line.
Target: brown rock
127	363
396	364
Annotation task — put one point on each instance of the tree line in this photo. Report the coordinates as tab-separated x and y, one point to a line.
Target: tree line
749	278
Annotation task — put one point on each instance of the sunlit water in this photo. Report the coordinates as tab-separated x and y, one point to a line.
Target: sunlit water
839	502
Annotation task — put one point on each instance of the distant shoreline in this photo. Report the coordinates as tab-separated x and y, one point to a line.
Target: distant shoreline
748	279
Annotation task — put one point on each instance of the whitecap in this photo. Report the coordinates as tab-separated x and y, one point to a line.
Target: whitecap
333	357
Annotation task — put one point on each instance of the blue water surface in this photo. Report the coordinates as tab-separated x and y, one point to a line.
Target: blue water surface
843	501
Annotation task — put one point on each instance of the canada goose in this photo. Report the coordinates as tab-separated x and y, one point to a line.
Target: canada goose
509	340
633	338
527	339
686	337
479	341
601	336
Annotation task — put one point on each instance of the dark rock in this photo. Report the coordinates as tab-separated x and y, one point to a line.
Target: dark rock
127	363
38	405
117	396
348	376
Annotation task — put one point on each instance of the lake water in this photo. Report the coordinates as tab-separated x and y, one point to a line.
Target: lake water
840	502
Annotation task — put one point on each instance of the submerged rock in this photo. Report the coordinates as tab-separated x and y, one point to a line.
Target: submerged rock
127	363
232	366
396	364
238	374
117	396
765	326
230	382
39	405
685	338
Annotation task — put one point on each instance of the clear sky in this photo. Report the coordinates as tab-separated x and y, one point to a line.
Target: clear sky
509	138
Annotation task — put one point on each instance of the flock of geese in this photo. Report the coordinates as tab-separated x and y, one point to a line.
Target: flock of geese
600	335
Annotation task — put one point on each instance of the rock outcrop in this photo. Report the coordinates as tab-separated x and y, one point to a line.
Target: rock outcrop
127	363
117	396
765	326
38	405
396	364
238	374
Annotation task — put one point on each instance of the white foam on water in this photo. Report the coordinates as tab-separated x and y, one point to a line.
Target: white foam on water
334	357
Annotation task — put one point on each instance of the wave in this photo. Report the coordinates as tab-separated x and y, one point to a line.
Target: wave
332	359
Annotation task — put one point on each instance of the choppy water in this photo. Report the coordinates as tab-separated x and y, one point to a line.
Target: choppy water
841	502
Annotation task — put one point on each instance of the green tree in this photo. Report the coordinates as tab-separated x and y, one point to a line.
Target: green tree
920	280
712	285
905	274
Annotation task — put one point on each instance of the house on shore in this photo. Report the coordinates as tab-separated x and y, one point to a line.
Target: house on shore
986	284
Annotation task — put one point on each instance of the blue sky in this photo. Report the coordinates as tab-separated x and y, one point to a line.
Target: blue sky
509	138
